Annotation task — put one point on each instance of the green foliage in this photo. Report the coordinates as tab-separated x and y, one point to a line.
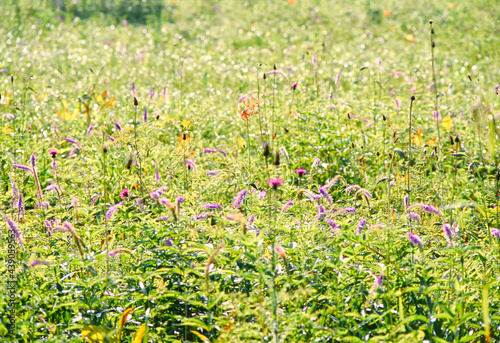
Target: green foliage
101	266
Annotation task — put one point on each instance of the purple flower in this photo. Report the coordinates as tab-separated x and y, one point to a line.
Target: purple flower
89	130
262	195
125	193
157	174
222	152
315	61
239	198
495	233
334	226
414	216
397	104
250	220
316	163
337	79
413	89
294	86
133	89
164	92
352	188
15	230
361	225
287	206
406	201
447	234
21	166
325	194
415	239
202	215
151	94
436	115
180	199
379	280
213	206
145	116
118	126
350	209
163	218
33	161
209	150
169	242
321	212
72	141
36	263
112	210
49	226
110	138
431	209
212	172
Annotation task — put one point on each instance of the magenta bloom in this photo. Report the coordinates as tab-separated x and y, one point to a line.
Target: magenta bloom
125	193
53	153
190	164
415	239
301	172
275	182
294	86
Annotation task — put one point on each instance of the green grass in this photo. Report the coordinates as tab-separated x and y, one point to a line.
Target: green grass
199	58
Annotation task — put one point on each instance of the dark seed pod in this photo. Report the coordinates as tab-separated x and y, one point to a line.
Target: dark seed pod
432	31
184	136
457	139
129	161
352	145
136	103
383	117
451	140
264	77
433	44
277	159
378	154
430	21
412	98
266	150
105	149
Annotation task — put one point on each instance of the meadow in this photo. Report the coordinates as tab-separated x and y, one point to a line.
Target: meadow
249	171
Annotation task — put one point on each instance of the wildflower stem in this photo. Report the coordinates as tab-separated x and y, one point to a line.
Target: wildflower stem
408	190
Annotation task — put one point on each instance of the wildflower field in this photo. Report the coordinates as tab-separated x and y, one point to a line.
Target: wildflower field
249	171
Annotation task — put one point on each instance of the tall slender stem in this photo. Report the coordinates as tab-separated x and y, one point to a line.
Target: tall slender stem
408	190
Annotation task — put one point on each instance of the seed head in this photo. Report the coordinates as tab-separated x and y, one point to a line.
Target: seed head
136	103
